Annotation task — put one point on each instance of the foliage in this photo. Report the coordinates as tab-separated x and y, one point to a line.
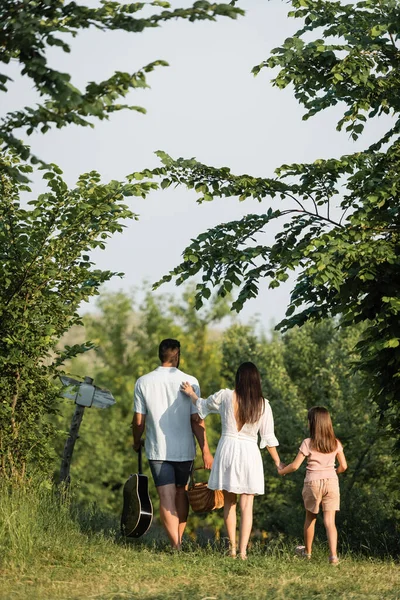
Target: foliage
46	269
304	367
31	28
126	339
31	519
45	273
346	258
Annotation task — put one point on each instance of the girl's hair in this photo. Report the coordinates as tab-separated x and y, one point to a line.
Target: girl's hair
322	436
248	393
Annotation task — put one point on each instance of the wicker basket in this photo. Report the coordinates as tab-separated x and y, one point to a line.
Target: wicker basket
202	499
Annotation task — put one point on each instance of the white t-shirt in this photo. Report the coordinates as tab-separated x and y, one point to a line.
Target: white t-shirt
168	410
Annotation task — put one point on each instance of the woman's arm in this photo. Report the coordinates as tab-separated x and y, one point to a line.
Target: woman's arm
187	389
293	465
342	462
275	456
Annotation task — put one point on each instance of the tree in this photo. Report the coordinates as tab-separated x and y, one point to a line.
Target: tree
45	273
126	337
311	366
29	28
45	266
347	265
304	367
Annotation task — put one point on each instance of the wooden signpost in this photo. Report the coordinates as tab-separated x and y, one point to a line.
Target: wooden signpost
85	395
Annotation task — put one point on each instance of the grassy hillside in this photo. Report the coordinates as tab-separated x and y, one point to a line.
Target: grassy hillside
99	569
52	551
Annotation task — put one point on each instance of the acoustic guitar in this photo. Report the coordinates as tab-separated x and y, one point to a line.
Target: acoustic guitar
137	511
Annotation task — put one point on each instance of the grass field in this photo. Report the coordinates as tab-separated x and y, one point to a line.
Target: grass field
105	572
98	568
47	554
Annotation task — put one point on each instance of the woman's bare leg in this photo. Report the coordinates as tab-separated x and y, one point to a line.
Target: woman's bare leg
230	519
246	522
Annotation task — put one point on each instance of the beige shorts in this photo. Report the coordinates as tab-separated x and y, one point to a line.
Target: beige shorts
321	491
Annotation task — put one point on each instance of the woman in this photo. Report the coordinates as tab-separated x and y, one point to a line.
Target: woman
238	467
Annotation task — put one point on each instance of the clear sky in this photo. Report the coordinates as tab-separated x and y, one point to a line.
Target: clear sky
207	105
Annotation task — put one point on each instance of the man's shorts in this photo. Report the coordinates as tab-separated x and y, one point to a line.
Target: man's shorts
168	471
321	491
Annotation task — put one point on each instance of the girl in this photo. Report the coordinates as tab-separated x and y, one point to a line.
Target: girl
321	484
238	467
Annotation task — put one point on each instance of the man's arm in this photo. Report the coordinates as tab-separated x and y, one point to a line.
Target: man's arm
199	430
138	425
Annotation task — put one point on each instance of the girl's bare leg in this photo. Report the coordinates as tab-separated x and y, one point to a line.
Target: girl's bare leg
246	522
331	533
309	531
230	519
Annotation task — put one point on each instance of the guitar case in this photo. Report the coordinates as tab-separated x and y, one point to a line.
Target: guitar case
137	511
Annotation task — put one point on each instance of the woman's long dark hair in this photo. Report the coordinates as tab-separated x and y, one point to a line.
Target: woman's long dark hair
249	395
322	436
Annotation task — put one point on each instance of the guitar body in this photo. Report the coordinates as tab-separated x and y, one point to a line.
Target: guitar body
137	511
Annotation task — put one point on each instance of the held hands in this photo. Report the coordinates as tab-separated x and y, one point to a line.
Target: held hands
280	468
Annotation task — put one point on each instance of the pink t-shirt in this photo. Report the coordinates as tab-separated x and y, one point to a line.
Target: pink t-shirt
319	465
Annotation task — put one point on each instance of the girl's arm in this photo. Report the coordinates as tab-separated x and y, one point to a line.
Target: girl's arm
293	466
342	462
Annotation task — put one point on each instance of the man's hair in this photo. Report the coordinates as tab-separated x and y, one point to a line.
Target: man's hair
166	349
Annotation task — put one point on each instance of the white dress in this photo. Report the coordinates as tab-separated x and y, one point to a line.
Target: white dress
238	466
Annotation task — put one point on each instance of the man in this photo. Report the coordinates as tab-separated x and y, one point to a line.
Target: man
171	420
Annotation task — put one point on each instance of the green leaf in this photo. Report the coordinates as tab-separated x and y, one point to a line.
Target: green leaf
393	343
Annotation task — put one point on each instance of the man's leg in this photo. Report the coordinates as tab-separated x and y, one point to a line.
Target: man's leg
164	478
182	508
169	513
182	474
